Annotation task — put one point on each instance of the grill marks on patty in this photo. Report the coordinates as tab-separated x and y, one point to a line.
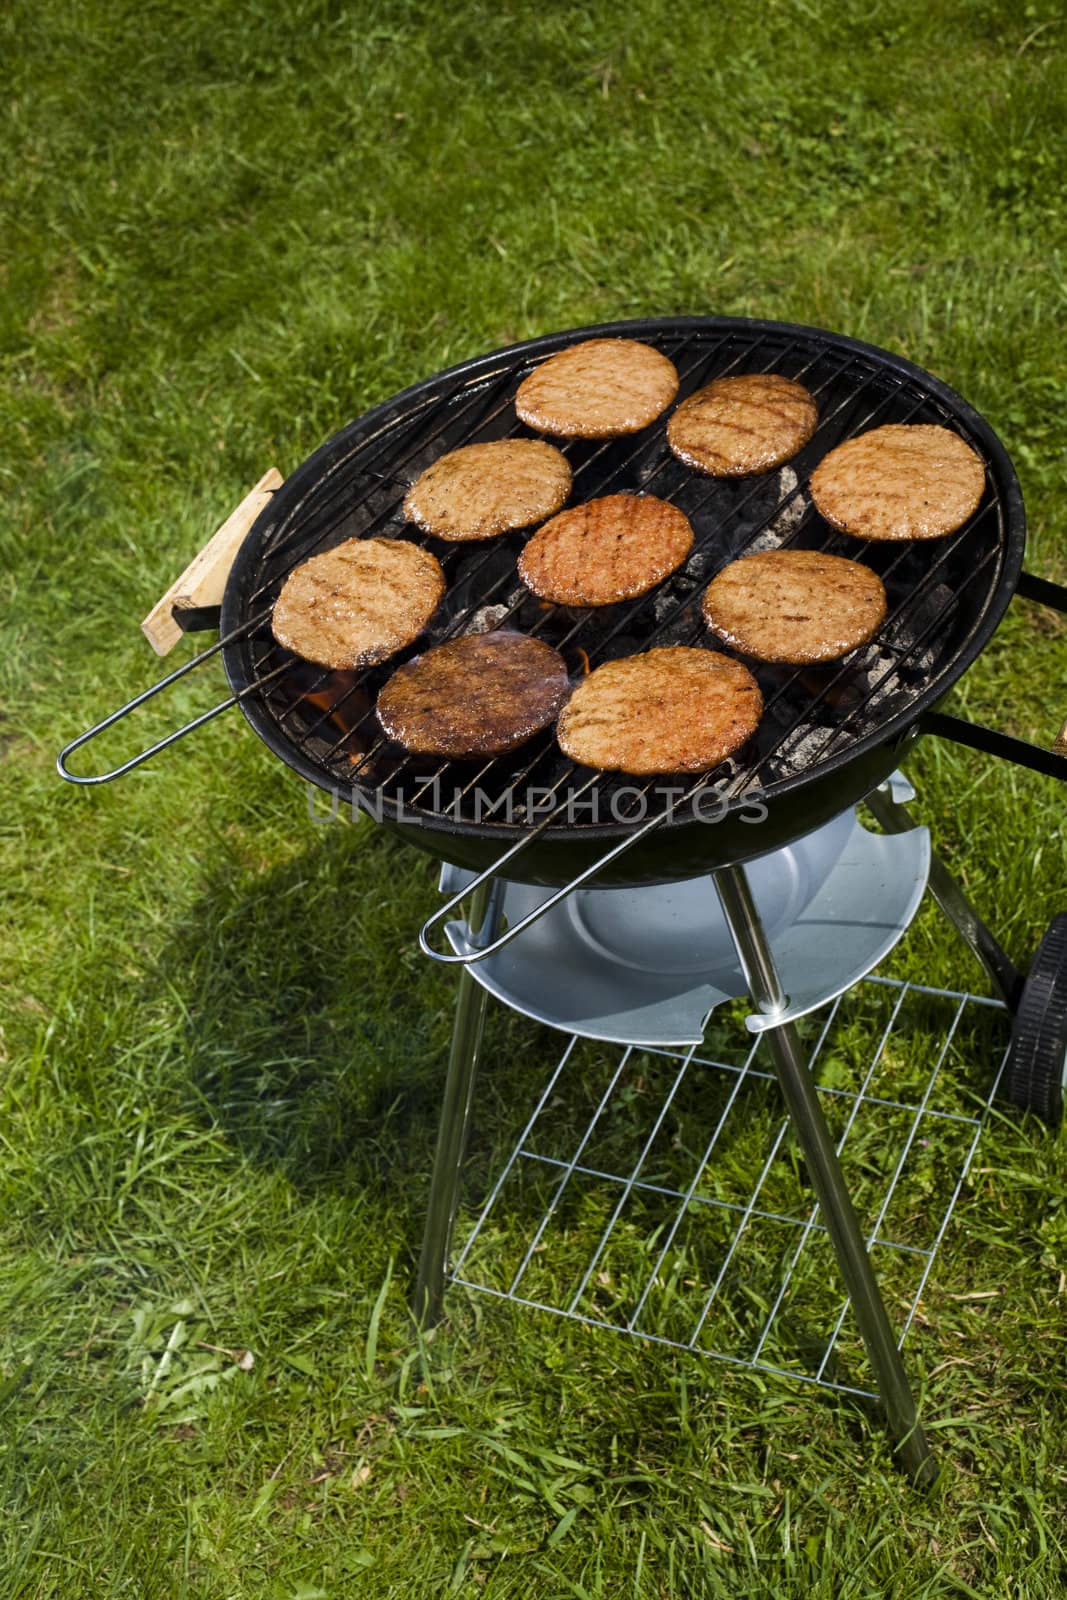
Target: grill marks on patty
482	490
481	695
742	424
795	606
597	389
358	603
902	481
676	709
671	710
613	548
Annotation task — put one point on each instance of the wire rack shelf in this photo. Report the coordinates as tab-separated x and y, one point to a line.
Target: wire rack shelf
627	1200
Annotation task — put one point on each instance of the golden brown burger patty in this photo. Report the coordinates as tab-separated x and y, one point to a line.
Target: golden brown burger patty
670	710
358	603
609	549
597	389
903	481
477	696
795	606
743	424
484	489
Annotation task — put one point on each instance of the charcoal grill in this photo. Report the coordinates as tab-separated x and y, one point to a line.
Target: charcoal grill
830	736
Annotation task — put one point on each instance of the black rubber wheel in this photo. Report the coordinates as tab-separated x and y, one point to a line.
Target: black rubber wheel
1037	1057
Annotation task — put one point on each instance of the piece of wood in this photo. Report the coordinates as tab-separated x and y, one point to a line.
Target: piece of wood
204	579
1060	744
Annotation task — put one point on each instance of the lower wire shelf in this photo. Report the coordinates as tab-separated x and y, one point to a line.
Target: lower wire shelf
628	1203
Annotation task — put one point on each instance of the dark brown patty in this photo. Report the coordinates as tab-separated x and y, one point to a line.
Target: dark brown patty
903	481
481	490
358	603
743	424
795	606
671	710
609	549
597	389
477	696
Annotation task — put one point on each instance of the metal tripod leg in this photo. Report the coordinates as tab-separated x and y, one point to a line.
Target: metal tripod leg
802	1103
428	1301
982	942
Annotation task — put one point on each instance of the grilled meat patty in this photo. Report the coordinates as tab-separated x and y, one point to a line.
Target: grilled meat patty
480	695
358	603
670	710
795	606
608	549
597	389
481	490
742	424
904	481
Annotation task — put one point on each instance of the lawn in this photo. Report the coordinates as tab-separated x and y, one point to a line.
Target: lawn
225	231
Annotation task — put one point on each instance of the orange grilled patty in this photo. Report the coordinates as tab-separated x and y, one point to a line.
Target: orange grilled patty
670	710
795	606
358	603
481	490
606	550
903	481
597	389
742	424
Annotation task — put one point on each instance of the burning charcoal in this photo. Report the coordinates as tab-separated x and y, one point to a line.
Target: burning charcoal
916	622
685	628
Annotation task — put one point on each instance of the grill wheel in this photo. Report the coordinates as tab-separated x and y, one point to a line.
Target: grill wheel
1037	1056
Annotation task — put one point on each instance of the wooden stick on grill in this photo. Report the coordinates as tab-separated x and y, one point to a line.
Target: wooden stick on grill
204	579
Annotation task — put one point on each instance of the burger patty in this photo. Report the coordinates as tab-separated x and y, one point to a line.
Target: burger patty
903	481
608	549
670	710
481	695
484	489
597	389
795	606
358	603
745	424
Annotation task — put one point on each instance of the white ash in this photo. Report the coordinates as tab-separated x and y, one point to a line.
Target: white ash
699	564
486	618
794	512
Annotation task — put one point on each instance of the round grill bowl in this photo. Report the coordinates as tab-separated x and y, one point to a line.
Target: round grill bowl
828	736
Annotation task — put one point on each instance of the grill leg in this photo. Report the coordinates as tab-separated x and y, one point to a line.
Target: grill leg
983	943
802	1103
428	1302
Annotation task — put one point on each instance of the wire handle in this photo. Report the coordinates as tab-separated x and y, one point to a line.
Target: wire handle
482	952
131	705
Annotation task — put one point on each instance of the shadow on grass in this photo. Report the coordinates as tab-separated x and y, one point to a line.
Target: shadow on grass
315	1035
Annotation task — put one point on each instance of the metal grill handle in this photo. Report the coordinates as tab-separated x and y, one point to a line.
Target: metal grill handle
1053	762
195	594
482	952
131	705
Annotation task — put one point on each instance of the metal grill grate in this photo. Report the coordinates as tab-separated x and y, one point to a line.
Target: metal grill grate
938	594
627	1202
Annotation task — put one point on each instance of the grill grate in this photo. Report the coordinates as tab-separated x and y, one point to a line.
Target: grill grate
665	1238
938	594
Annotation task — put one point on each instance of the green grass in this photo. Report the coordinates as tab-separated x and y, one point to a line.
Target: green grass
225	231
